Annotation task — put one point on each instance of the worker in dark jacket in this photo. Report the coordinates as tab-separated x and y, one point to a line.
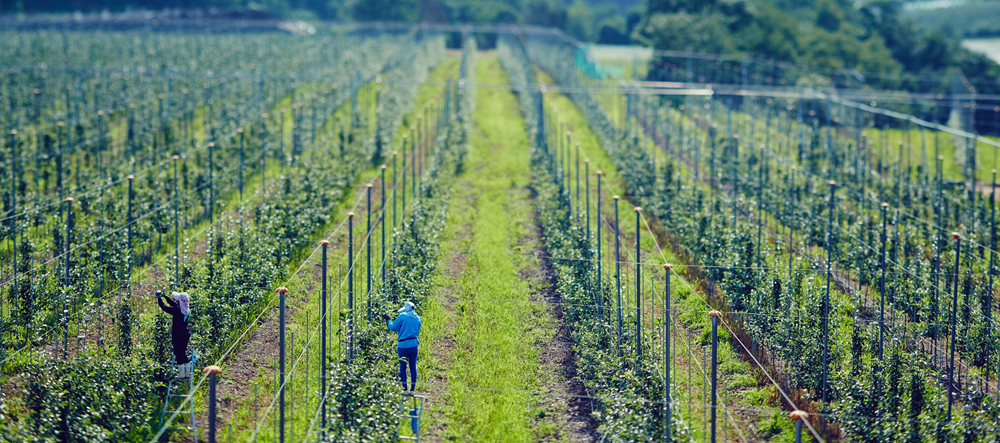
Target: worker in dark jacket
407	325
179	308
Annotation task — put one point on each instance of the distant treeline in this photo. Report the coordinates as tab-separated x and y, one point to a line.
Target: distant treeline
606	22
873	37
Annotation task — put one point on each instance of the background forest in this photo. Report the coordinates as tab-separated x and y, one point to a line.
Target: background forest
883	39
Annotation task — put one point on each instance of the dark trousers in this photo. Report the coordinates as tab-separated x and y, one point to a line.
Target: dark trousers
408	356
180	341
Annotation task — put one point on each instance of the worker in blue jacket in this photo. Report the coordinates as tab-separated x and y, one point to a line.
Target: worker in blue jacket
407	325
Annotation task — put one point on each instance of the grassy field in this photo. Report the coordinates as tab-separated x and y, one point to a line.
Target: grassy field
483	323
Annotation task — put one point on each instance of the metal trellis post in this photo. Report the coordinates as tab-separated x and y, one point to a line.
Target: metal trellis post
281	362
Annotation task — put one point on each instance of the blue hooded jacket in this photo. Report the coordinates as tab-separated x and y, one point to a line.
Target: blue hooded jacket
407	325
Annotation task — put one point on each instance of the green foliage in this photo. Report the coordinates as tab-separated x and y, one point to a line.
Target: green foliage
89	399
385	10
230	284
364	393
684	31
869	394
633	406
874	38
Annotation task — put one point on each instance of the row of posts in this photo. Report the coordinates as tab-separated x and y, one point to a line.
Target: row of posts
564	164
420	137
564	161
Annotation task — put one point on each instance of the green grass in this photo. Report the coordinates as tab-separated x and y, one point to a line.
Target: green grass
495	370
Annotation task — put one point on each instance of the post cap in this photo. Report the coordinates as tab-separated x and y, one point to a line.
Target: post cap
615	197
212	370
99	112
175	157
130	177
324	243
69	200
239	130
637	209
369	186
884	205
831	183
599	172
714	313
60	124
397	152
281	289
955	235
350	215
798	414
577	144
940	158
668	266
211	144
994	171
586	160
382	167
13	132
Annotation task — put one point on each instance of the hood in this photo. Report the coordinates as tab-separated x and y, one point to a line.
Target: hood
183	301
409	308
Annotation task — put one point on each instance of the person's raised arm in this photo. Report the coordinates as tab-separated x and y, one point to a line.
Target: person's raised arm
169	308
395	324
